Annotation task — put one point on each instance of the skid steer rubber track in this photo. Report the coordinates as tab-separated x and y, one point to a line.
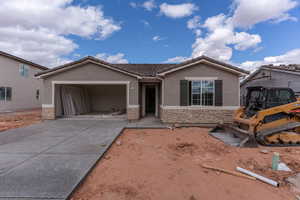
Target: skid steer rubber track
284	131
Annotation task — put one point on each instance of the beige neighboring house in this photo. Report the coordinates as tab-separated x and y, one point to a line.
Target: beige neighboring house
19	89
201	90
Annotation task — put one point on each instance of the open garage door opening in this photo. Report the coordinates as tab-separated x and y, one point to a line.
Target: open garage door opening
90	100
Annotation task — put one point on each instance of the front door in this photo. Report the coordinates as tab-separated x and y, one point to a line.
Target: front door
150	99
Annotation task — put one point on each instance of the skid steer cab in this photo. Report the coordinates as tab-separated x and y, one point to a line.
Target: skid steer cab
271	116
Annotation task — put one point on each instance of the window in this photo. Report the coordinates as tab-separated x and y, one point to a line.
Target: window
5	93
203	92
24	70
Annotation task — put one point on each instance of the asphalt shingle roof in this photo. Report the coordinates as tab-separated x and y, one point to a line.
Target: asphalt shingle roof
144	69
151	70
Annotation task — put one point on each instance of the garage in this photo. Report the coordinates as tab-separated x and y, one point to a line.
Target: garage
90	100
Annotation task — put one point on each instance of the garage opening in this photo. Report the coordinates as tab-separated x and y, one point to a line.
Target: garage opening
90	101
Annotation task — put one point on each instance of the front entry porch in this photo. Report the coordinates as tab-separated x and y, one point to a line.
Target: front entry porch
150	99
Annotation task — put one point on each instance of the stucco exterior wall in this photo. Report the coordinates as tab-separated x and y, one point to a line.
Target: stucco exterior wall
171	86
91	72
23	88
107	97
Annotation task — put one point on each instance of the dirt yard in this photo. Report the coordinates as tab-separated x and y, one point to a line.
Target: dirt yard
19	119
167	164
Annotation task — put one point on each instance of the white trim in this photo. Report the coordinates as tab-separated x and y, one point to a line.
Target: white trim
133	106
86	62
127	83
163	92
156	100
47	106
239	95
201	78
283	71
201	107
143	100
201	61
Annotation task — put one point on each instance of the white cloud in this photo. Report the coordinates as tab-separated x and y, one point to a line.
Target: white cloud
133	4
116	59
222	31
149	5
177	59
37	29
290	57
220	35
157	38
249	13
194	25
244	40
146	23
178	10
38	45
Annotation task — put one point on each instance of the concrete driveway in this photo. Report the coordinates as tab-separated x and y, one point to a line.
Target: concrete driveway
48	160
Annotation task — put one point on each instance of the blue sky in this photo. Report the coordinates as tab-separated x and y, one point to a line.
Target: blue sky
241	32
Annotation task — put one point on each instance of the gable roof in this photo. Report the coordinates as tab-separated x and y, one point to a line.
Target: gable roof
2	53
142	70
88	59
291	69
203	59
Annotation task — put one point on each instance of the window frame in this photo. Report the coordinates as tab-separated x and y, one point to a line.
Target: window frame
24	70
201	92
5	94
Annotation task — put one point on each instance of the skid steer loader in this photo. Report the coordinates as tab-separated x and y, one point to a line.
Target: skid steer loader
271	116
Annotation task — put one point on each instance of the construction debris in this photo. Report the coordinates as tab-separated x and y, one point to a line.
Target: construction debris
228	172
283	167
264	151
259	177
275	161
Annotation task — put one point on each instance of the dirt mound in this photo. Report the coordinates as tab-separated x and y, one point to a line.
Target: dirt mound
167	164
184	148
219	149
266	170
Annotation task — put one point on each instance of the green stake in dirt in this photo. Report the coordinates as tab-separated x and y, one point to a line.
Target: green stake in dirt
275	161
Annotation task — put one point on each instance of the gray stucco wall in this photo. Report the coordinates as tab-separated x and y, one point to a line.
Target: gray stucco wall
276	79
91	72
230	84
107	97
23	88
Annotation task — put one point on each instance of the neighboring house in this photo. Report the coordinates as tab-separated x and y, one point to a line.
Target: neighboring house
201	90
19	89
273	76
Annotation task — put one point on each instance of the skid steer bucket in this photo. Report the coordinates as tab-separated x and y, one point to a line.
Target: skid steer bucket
234	136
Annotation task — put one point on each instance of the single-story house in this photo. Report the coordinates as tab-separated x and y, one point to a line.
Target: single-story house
200	90
19	89
273	76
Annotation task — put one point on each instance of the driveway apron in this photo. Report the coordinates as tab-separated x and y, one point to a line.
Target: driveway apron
48	160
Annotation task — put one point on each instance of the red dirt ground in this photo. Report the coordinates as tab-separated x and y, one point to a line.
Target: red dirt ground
19	119
164	164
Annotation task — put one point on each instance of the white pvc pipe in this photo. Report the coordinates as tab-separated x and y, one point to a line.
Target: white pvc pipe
259	177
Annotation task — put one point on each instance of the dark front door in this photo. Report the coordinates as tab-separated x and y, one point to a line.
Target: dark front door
150	99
